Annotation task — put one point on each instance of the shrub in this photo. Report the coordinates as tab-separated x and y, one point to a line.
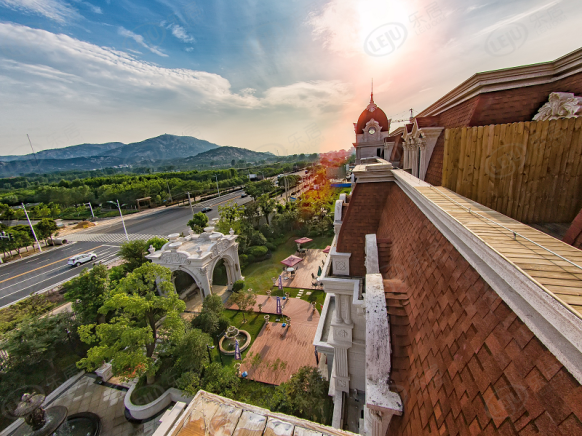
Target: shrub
156	242
257	238
238	285
271	246
258	252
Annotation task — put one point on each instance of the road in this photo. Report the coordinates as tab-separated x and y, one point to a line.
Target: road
45	270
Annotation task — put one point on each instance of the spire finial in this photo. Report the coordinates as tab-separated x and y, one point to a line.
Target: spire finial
372	92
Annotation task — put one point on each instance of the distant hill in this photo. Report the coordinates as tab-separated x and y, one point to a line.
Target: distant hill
181	152
225	155
73	151
161	147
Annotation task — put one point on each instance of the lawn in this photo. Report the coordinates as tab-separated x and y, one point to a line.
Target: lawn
254	324
258	275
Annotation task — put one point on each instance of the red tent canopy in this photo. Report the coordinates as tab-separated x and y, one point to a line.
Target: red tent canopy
303	240
291	260
326	250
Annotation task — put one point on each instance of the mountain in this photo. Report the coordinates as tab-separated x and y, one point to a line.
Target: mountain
180	152
225	155
161	147
73	151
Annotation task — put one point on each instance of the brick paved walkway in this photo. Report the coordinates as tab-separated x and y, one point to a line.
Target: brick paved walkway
293	346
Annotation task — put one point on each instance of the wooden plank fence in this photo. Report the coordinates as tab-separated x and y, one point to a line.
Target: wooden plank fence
529	171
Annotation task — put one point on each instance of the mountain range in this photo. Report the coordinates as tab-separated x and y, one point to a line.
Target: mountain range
181	152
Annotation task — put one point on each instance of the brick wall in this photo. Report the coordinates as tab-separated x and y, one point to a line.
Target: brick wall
360	219
462	360
501	107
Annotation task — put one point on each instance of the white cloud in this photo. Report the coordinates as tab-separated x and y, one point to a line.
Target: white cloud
179	32
112	75
139	39
54	9
189	49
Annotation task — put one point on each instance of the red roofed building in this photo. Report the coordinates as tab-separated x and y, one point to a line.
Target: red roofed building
372	132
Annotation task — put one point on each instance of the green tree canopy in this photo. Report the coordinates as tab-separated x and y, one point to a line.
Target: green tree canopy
305	393
156	242
198	222
45	228
245	300
134	254
87	292
146	312
267	206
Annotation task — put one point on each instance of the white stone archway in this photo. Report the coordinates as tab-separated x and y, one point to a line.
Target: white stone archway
197	255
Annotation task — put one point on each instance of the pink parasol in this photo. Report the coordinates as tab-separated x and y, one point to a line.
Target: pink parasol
326	250
291	261
303	240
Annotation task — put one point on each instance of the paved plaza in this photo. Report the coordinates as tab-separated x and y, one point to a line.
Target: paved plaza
87	396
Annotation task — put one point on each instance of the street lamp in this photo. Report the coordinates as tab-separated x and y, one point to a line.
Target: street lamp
208	348
91	208
216	175
121	215
31	228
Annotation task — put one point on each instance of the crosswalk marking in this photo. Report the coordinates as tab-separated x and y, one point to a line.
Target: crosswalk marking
110	237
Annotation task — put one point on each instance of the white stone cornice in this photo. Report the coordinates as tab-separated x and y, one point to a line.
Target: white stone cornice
509	78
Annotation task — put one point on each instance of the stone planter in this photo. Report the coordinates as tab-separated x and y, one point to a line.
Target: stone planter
105	371
156	406
244	347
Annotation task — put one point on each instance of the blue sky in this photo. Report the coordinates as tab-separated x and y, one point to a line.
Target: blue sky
285	77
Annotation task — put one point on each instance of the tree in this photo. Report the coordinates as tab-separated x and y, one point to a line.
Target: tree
190	354
256	189
305	393
245	300
211	319
133	252
87	293
229	214
45	228
39	339
198	222
156	242
220	380
146	312
267	206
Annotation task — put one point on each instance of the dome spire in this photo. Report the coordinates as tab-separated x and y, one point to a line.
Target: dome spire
372	106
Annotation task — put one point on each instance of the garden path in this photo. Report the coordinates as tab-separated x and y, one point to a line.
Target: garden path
293	345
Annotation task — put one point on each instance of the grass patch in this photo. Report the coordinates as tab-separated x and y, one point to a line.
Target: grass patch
254	324
259	275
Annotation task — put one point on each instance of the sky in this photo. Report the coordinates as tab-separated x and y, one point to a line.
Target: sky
281	76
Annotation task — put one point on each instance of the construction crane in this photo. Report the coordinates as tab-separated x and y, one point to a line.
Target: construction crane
405	119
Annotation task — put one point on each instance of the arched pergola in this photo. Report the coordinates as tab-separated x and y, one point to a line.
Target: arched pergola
197	255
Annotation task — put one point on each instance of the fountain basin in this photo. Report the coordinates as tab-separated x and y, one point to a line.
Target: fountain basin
54	417
242	347
80	424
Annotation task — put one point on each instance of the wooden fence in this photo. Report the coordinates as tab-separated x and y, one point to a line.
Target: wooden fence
530	171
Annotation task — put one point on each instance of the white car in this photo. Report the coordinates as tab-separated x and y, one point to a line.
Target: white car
82	258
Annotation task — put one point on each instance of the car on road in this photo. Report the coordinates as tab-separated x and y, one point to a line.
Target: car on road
243	195
206	209
82	258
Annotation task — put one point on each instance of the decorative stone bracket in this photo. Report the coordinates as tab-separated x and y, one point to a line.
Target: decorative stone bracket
560	105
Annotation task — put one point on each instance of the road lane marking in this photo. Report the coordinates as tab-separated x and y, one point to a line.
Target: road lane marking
38	283
41	267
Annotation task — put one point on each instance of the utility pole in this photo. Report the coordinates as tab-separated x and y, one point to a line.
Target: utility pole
32	228
216	175
190	203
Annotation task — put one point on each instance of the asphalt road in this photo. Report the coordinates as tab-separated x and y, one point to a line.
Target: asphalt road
45	270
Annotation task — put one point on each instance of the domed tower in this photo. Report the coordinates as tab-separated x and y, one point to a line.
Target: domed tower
372	129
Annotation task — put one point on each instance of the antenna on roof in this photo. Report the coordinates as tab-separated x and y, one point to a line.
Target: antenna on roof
33	152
